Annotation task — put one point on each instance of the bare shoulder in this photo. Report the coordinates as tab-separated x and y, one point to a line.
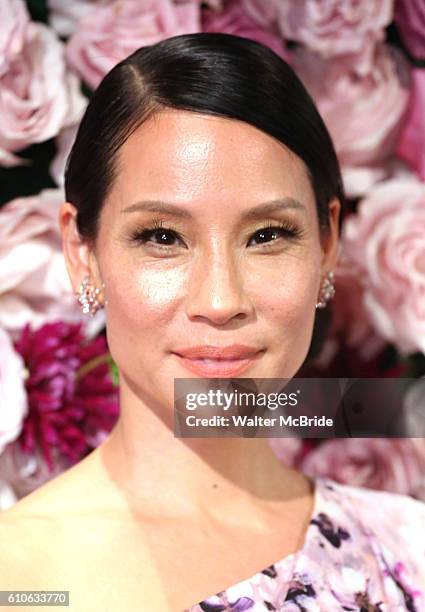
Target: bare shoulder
67	536
40	532
21	556
78	491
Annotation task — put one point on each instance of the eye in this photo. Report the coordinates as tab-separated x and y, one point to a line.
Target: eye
164	237
272	232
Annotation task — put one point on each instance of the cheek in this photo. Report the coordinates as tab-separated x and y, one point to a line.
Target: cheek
286	293
142	298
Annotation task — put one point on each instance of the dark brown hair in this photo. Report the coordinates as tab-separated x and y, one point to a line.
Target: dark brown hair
211	73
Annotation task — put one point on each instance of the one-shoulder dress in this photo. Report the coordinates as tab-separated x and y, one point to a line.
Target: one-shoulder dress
364	551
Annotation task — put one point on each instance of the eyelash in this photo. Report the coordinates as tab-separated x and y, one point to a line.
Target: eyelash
142	234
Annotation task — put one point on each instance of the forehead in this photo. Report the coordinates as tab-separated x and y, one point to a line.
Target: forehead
188	157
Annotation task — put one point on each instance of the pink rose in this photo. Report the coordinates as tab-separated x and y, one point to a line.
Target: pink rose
13	396
349	319
24	473
110	32
64	16
411	146
264	13
419	443
358	180
377	463
410	19
37	95
234	19
64	141
286	449
363	113
386	239
332	27
7	495
34	282
414	411
14	18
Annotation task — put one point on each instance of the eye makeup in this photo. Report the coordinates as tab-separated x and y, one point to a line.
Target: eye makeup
143	234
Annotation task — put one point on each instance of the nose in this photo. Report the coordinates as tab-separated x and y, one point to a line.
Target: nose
217	290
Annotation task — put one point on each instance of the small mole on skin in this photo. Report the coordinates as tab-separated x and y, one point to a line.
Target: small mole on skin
215	486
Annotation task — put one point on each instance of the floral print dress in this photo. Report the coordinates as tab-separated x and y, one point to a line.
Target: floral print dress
364	551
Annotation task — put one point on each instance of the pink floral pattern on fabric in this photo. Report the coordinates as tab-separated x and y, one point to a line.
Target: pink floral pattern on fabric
364	551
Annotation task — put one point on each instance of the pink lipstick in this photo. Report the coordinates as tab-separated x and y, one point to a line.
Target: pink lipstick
224	361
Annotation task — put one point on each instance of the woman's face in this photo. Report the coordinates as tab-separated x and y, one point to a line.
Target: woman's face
211	274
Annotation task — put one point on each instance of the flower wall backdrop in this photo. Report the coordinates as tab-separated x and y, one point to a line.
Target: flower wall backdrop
363	62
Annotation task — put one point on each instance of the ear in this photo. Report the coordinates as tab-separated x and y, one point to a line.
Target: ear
79	256
330	239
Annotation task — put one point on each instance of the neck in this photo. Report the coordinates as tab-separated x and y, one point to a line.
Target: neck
160	475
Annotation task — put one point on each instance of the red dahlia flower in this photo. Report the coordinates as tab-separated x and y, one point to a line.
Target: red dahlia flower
72	399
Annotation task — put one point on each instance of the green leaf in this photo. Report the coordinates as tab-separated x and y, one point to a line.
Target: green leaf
113	369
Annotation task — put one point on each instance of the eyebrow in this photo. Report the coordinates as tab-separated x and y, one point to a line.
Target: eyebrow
166	208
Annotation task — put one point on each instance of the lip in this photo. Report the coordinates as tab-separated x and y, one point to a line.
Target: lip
224	353
227	361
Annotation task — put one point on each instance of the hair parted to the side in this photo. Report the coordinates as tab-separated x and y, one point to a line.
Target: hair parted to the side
210	73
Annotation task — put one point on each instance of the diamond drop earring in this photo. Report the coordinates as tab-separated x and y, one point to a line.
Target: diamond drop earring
88	297
327	290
